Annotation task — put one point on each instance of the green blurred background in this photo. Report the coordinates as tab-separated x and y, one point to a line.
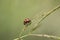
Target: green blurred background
13	12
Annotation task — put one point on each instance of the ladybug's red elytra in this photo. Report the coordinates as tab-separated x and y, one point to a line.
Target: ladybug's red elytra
26	21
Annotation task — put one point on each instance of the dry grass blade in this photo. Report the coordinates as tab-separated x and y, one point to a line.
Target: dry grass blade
44	16
42	35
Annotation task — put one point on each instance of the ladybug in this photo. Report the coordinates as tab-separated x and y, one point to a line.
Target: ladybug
27	21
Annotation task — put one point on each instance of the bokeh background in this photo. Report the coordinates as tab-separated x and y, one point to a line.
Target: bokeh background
13	12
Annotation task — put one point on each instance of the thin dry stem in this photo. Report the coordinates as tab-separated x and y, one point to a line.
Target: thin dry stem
42	35
44	16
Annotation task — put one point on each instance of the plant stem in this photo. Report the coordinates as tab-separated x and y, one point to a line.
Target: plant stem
44	16
23	30
47	14
42	35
